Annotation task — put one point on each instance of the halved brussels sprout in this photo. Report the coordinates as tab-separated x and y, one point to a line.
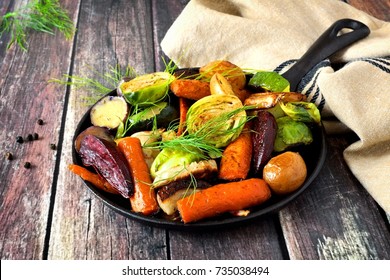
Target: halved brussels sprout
146	89
177	163
291	133
302	111
219	119
269	81
170	158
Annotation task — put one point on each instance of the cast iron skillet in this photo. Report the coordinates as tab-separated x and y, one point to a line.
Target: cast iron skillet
314	154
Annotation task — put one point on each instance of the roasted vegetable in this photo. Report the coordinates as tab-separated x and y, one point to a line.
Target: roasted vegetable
147	89
162	114
285	173
96	180
234	74
109	112
178	163
271	99
301	111
184	105
291	133
147	138
100	132
104	156
220	118
269	81
144	198
277	111
263	137
190	89
236	158
167	196
220	85
223	198
242	94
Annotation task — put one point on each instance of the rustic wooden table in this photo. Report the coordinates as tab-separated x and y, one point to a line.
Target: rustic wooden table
47	213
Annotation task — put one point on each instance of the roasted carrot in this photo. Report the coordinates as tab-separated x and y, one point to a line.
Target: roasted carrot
95	179
222	198
236	158
190	89
144	199
242	94
184	104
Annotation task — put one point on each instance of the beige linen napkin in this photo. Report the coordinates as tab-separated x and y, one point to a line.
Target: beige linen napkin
271	35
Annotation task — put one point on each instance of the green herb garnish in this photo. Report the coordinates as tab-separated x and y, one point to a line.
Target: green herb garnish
199	144
42	16
99	86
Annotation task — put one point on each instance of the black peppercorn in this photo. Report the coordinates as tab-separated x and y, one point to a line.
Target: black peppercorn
36	136
40	121
29	137
27	164
53	146
9	156
19	139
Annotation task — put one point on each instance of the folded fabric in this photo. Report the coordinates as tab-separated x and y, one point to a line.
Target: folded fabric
272	35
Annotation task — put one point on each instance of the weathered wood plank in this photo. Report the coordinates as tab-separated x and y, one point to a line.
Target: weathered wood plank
26	97
164	13
335	218
258	240
83	228
379	8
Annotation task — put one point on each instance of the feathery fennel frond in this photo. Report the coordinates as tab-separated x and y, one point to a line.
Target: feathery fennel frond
99	84
38	15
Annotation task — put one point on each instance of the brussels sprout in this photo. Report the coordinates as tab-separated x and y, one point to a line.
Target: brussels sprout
162	113
276	111
219	119
146	89
291	133
180	162
170	158
269	81
302	111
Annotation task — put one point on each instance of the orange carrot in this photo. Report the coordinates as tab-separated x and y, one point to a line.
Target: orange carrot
236	158
191	89
184	105
222	198
241	93
97	180
144	199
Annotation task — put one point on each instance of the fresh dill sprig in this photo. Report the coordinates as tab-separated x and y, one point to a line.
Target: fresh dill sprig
198	142
38	15
99	86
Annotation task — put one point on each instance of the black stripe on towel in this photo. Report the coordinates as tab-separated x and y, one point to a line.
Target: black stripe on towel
379	65
281	67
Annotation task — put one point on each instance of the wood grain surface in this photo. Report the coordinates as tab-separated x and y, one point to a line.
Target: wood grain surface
47	213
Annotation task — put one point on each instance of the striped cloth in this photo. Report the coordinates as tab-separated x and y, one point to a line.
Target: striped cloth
352	86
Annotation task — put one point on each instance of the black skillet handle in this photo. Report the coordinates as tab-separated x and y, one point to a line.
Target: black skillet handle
327	44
